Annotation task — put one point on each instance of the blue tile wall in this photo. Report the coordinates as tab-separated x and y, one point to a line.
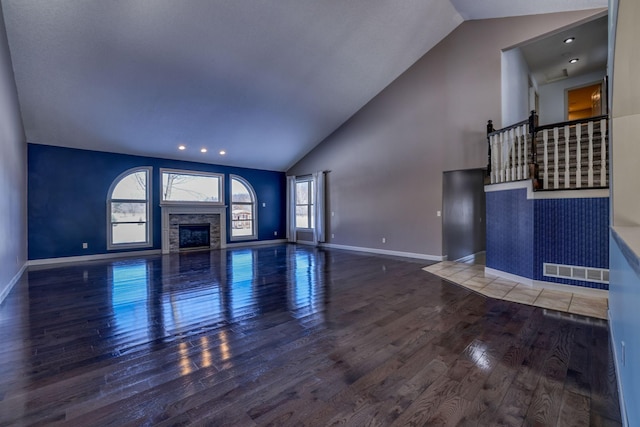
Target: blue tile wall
510	232
572	232
523	234
67	193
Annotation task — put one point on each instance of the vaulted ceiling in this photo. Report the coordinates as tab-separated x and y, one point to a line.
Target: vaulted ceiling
265	81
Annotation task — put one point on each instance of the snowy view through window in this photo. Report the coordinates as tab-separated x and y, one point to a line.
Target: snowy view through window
129	209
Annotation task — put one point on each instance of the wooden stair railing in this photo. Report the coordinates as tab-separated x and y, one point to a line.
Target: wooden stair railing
574	154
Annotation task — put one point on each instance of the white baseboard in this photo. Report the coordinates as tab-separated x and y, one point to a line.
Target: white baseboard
12	283
384	252
257	243
468	257
601	293
623	408
68	259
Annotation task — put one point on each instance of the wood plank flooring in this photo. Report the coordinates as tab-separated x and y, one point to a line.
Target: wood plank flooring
290	335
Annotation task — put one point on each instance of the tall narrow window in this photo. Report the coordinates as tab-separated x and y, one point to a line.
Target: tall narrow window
128	210
304	203
243	210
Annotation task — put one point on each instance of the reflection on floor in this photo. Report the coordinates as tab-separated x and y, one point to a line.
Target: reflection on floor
290	335
472	276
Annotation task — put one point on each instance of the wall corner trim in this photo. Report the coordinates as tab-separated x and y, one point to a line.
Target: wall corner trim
623	408
5	292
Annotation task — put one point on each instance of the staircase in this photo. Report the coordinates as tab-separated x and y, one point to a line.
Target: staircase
573	155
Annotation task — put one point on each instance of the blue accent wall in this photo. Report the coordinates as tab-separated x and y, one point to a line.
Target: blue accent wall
67	198
624	319
510	232
523	234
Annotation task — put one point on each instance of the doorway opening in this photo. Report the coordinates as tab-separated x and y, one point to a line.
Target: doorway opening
584	102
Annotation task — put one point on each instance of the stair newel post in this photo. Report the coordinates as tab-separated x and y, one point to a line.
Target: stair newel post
533	165
489	130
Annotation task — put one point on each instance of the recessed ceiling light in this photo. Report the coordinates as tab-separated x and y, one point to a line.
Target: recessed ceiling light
573	60
222	152
203	150
569	40
182	147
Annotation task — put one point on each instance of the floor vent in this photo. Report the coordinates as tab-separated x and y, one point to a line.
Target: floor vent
597	275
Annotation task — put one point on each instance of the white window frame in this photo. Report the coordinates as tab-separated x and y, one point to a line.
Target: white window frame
149	231
220	177
254	208
310	206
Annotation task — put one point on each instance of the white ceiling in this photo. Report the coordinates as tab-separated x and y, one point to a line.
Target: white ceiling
485	9
265	81
548	58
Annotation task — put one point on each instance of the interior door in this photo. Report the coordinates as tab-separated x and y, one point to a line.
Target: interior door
463	213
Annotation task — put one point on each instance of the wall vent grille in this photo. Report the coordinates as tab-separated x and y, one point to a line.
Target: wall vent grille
587	274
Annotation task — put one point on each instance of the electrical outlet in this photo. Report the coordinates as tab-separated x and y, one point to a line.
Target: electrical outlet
333	213
275	233
264	204
384	240
85	245
333	235
438	213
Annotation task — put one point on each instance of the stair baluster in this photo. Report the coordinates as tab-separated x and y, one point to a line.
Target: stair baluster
512	149
525	165
545	138
590	170
603	153
578	156
556	172
567	155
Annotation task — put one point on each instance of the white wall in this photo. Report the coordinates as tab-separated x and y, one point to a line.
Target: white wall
553	98
13	172
515	87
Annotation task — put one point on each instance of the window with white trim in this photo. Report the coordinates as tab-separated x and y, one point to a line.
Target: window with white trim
304	203
129	210
182	187
243	209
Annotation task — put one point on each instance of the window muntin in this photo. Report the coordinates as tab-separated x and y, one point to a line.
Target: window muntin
128	210
191	187
304	204
243	209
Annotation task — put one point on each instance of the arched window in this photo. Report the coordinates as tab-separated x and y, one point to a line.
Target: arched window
129	210
243	210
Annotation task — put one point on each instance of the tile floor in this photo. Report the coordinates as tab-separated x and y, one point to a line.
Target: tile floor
472	276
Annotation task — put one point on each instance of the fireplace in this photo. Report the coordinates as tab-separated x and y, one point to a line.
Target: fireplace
193	236
177	217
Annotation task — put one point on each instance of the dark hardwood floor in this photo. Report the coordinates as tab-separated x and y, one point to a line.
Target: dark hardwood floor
290	335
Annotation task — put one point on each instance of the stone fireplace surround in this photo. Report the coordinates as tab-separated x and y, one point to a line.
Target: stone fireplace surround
174	215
